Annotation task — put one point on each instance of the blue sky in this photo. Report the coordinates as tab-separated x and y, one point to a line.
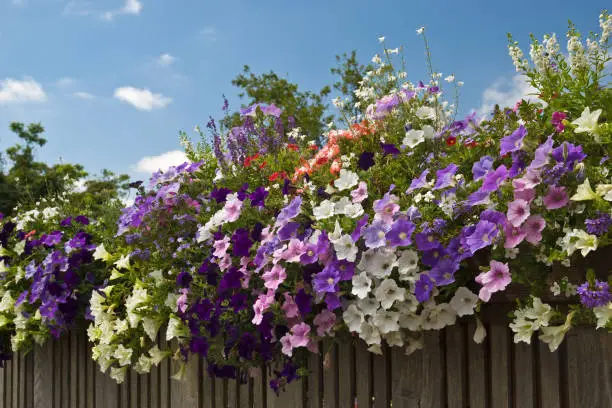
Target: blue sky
75	66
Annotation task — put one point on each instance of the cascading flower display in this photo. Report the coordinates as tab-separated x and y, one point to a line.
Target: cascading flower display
405	221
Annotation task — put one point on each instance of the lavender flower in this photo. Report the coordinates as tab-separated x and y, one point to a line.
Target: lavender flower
599	295
599	225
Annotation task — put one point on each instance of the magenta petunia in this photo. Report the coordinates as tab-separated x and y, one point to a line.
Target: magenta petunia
533	228
494	280
518	211
514	236
555	198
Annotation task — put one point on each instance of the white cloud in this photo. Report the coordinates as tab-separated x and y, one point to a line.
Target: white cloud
130	7
165	60
152	164
506	92
26	90
209	33
142	99
83	95
65	82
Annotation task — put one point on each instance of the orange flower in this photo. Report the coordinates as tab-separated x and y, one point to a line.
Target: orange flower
29	234
335	167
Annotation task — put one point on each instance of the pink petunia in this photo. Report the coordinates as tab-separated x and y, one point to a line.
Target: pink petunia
514	236
555	198
518	211
324	321
533	228
232	209
290	307
221	247
294	251
527	194
360	193
300	335
287	348
495	280
274	277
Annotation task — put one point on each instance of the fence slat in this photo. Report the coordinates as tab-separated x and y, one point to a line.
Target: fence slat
291	397
184	393
21	381
455	366
154	387
90	381
73	364
258	389
206	387
589	364
346	365
477	388
330	374
145	389
363	368
2	380
29	388
525	383
43	373
381	378
66	378
315	370
548	382
500	365
417	378
164	374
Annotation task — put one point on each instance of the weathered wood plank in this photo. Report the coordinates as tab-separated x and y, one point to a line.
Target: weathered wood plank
525	383
154	387
243	392
381	378
73	367
185	393
589	365
258	388
500	357
145	389
418	378
477	370
291	397
456	383
2	384
207	396
164	374
90	381
66	378
29	389
314	390
43	375
57	373
9	383
363	368
330	374
346	365
548	382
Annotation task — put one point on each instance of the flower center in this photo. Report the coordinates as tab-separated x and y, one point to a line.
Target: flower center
381	234
330	281
402	235
430	238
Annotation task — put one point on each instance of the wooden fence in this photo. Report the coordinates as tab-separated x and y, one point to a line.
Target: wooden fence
452	371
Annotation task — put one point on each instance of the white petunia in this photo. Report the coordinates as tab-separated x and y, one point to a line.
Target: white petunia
428	132
605	191
101	254
480	333
369	306
158	355
464	301
345	248
176	328
324	210
388	292
353	317
584	192
369	333
118	374
425	112
123	355
123	262
408	265
413	138
386	321
554	335
438	316
347	179
380	264
587	122
151	327
603	315
361	285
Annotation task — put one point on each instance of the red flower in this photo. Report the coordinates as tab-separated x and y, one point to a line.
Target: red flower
262	165
293	146
451	140
29	234
276	175
249	160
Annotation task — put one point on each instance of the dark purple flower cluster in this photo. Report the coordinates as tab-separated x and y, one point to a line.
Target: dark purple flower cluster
594	295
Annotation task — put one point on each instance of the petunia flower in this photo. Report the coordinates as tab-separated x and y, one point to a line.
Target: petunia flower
360	193
587	122
388	293
347	180
495	280
400	233
513	142
555	198
533	227
518	211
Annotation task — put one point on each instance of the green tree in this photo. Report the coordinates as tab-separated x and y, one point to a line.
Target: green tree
28	180
350	73
307	108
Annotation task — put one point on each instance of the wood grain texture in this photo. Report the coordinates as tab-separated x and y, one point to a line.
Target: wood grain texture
499	349
589	365
43	373
185	393
456	381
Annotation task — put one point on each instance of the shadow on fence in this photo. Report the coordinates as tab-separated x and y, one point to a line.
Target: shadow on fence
451	371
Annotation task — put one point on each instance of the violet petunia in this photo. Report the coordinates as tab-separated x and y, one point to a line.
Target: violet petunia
513	142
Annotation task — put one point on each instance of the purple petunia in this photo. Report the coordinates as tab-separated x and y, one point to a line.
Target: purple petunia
445	177
326	281
482	236
423	288
599	225
513	142
400	233
375	234
258	197
493	179
596	295
366	160
482	167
